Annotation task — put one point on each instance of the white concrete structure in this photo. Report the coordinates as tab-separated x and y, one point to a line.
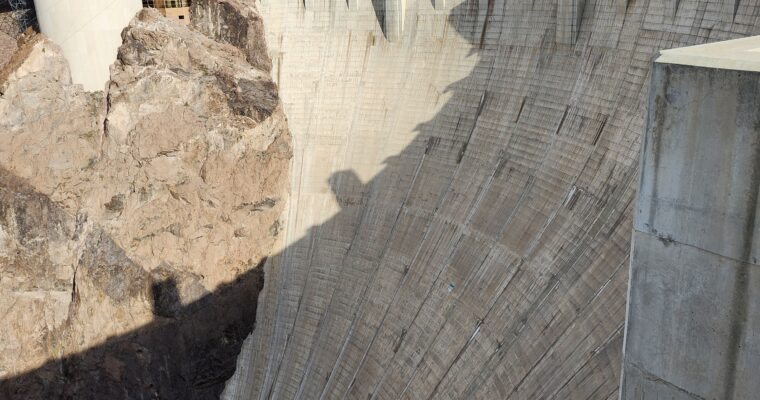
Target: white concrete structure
694	306
89	32
395	11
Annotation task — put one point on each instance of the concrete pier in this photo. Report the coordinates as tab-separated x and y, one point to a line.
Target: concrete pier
694	305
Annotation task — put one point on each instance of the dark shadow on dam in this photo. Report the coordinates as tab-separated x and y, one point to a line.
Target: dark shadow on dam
379	7
190	350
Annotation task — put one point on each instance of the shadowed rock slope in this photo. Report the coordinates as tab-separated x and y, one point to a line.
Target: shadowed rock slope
132	222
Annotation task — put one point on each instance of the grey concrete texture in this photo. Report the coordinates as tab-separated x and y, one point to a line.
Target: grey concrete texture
693	327
701	160
693	323
462	195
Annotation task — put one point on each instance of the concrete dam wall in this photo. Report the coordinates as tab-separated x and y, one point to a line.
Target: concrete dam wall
462	194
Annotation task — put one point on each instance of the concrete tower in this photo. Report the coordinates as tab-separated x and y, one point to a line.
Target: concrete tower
89	32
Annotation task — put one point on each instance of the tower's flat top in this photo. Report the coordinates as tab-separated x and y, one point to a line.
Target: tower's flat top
738	54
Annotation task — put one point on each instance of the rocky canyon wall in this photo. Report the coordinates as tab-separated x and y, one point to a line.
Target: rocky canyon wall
134	223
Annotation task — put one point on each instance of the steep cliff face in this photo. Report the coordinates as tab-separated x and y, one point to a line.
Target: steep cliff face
132	221
235	22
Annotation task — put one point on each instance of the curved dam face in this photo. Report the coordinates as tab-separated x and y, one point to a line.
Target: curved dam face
462	194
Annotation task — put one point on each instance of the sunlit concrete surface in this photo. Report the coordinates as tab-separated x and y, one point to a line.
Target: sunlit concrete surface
694	313
738	54
462	194
89	32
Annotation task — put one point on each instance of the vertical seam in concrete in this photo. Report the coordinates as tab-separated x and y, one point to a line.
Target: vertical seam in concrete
740	298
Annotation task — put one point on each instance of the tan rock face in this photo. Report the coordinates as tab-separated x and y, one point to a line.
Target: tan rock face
10	30
135	207
7	48
208	144
234	22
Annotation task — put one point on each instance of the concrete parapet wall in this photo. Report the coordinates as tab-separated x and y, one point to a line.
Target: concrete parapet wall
694	304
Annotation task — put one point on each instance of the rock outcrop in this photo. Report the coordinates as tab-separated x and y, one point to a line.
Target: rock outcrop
9	32
132	222
7	48
236	23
